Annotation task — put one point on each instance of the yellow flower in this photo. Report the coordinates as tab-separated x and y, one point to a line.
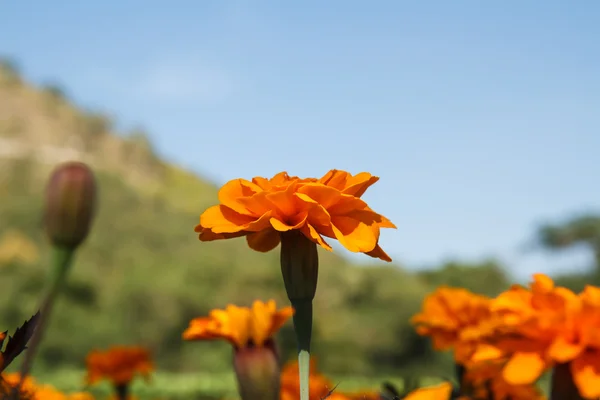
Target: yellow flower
241	326
262	209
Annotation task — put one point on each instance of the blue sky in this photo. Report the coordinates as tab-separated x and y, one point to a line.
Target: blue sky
481	118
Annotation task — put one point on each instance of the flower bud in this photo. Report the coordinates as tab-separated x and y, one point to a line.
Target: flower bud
70	204
258	372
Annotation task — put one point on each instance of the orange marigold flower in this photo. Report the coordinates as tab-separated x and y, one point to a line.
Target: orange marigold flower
455	318
119	364
10	381
319	385
32	391
535	324
48	392
263	208
484	380
354	396
439	392
241	326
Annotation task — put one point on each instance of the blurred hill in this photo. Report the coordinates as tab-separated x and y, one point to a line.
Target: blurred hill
143	274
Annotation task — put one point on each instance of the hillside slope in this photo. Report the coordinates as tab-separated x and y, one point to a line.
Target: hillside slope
143	274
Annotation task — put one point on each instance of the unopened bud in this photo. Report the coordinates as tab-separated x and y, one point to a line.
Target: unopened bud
258	372
70	204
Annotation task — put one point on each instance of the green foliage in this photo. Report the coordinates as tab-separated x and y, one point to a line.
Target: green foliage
486	278
584	229
579	231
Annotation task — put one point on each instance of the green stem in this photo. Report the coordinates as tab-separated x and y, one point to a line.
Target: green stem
562	385
303	327
122	391
61	260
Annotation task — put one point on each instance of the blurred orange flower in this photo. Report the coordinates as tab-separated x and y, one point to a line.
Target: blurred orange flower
48	392
32	391
11	380
439	392
241	326
319	386
119	364
455	318
547	325
263	208
484	380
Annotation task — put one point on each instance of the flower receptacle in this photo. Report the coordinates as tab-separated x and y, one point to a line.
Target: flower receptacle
258	371
299	265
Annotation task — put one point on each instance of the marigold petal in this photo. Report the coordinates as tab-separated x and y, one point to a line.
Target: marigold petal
317	215
586	374
311	232
347	205
335	178
385	223
258	204
206	235
254	225
542	283
378	252
222	219
440	392
486	352
200	329
266	320
324	195
523	368
235	323
263	241
280	318
262	314
261	182
230	194
355	235
590	296
285	202
562	350
298	222
359	183
281	179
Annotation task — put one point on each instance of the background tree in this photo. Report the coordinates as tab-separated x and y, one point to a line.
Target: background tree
581	231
